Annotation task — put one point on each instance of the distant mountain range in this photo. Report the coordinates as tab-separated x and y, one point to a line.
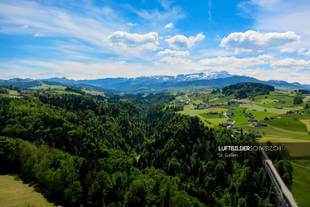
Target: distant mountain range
206	80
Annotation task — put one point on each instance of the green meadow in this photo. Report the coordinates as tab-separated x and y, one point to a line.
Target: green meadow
301	181
15	193
288	123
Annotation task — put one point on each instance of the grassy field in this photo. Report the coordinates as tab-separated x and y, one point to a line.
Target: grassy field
307	123
238	116
270	100
301	182
262	108
13	93
288	124
219	110
210	120
14	193
284	140
94	92
189	110
299	150
214	121
260	115
212	116
45	86
277	133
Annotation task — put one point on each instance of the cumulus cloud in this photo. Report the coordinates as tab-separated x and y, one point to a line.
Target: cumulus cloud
257	41
183	42
127	40
280	16
169	25
173	52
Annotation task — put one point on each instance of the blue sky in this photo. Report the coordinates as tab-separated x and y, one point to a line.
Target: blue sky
88	39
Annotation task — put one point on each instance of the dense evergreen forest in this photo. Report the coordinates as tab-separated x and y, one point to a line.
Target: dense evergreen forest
83	150
245	90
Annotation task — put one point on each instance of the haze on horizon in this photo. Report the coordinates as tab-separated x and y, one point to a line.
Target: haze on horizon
89	39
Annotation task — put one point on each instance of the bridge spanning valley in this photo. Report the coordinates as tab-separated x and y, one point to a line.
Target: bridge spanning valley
284	194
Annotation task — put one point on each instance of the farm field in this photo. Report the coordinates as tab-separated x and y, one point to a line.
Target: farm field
14	193
212	120
189	110
256	107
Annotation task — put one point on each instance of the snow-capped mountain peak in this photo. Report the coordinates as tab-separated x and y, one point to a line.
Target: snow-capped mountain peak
203	76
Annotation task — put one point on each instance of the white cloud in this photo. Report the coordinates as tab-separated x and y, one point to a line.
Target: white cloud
263	67
25	26
234	62
51	21
175	60
131	24
171	13
91	70
169	25
265	3
183	42
281	16
287	50
214	52
210	10
307	53
127	40
173	52
156	18
304	51
239	51
257	41
291	63
288	69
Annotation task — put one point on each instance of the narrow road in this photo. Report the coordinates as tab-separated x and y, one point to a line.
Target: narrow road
225	114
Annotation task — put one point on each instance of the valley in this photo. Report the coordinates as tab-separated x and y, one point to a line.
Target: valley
151	133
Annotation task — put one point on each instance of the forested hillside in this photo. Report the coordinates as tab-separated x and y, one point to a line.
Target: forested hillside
244	90
84	150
